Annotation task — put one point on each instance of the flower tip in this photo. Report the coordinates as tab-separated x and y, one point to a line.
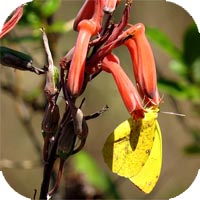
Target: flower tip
110	5
137	114
139	28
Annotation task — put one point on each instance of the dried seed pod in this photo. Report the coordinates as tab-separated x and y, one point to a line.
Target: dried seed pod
81	128
51	118
66	141
75	128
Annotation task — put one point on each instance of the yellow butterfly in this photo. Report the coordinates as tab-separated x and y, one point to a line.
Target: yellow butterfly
134	150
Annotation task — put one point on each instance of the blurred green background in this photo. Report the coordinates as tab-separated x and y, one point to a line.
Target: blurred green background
176	46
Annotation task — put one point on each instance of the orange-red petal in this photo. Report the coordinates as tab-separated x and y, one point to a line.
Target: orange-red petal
146	70
8	26
128	92
75	79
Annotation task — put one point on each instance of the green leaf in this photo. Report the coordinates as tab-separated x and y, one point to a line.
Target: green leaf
85	164
24	38
178	67
191	45
32	95
57	27
192	149
164	42
37	11
180	89
33	19
32	15
196	71
55	75
50	7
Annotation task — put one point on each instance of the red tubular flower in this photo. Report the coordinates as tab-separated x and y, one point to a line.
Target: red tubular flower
129	94
87	29
143	64
76	71
86	12
12	22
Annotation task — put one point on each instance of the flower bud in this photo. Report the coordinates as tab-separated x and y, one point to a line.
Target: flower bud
8	26
51	118
66	141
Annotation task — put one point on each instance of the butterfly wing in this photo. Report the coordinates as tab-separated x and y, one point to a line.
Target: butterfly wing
127	149
148	176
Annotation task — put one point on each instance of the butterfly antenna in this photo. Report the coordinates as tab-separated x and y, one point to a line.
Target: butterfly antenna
172	113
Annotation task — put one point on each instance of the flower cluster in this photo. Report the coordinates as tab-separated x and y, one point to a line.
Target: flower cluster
92	53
